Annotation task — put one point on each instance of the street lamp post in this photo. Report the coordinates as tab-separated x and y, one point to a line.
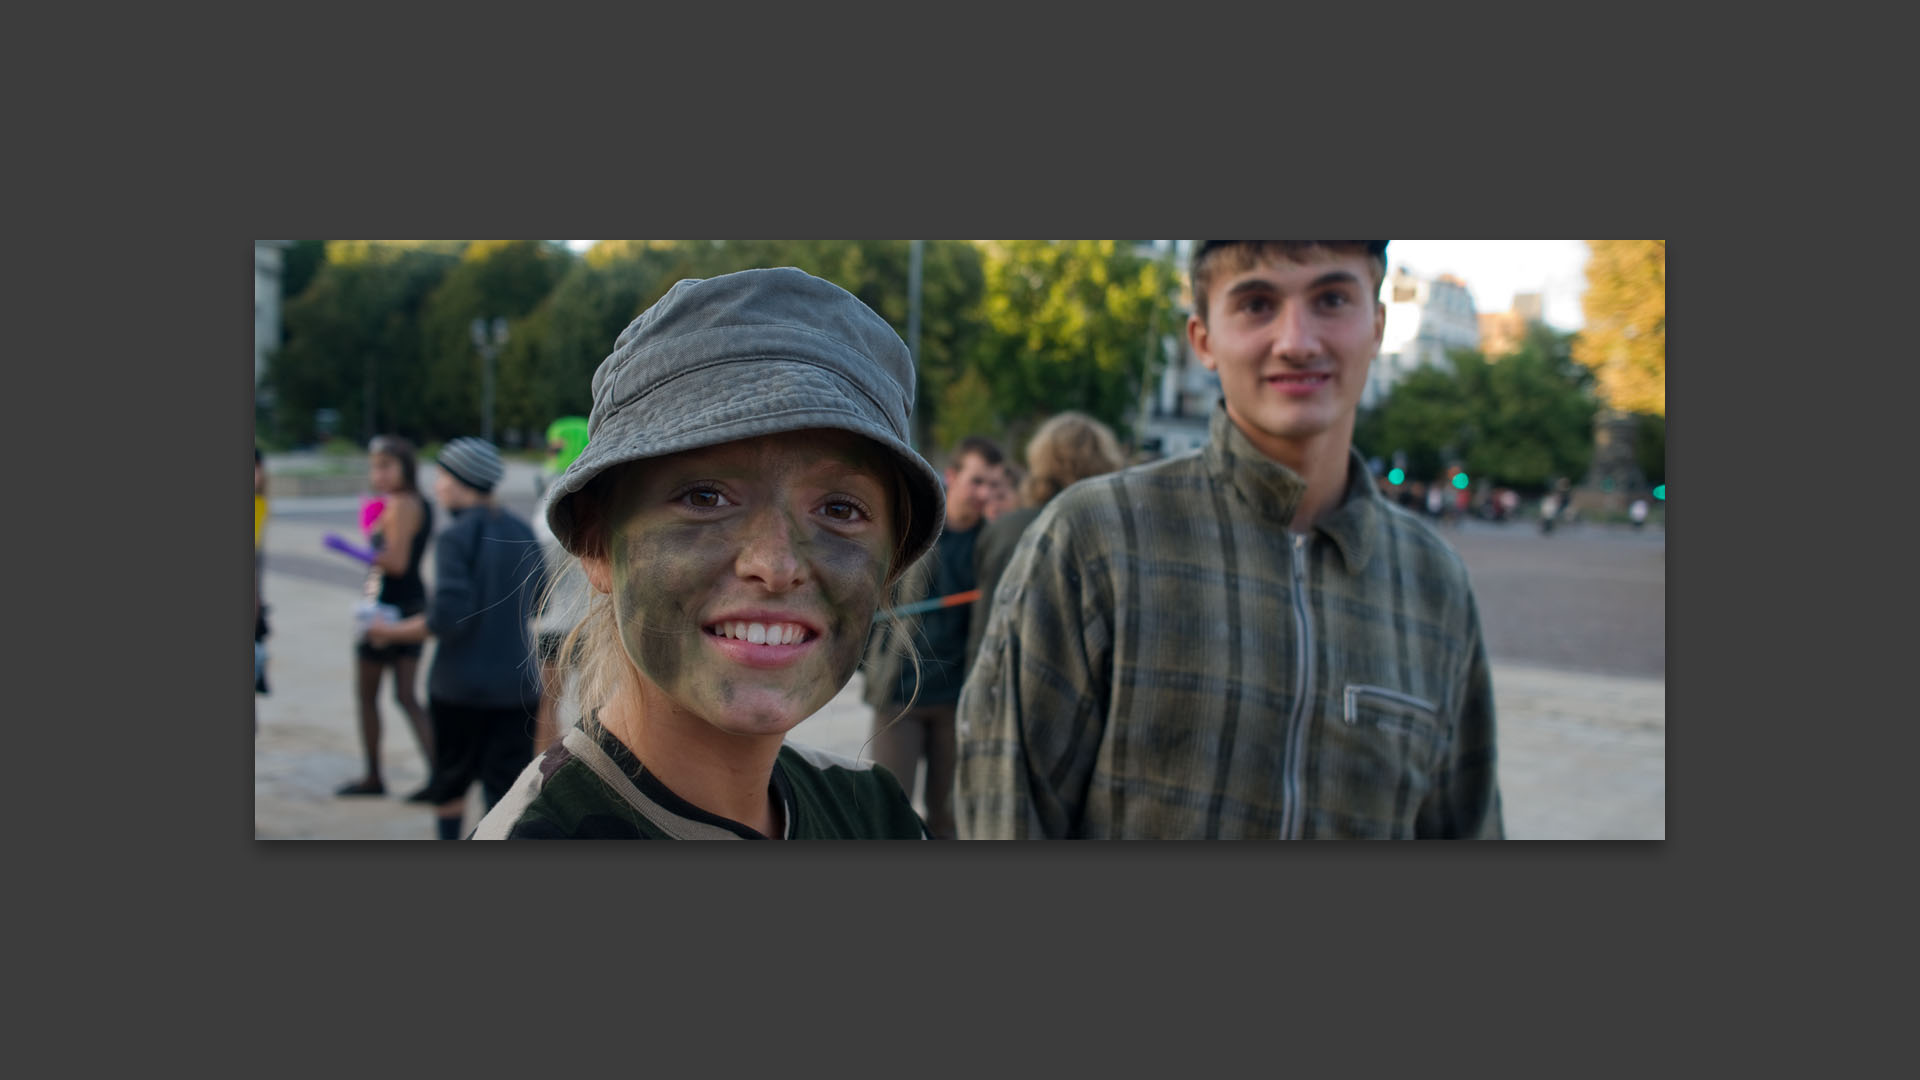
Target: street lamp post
489	341
914	258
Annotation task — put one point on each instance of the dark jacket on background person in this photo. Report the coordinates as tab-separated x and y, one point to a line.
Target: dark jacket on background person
990	555
939	637
487	573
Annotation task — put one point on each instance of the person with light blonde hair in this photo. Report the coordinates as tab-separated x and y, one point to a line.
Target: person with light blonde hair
746	502
1068	448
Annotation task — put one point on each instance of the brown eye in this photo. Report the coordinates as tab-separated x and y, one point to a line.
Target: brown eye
841	510
704	498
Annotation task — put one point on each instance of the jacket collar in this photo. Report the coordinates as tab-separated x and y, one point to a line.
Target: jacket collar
1273	491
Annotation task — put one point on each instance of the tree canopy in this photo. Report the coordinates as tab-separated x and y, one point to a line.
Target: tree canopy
1009	332
1520	420
1070	324
1625	340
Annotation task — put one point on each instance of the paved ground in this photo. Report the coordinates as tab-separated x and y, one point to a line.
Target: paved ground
1575	623
1587	598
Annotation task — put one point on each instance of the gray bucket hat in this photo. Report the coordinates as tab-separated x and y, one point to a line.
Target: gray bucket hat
746	354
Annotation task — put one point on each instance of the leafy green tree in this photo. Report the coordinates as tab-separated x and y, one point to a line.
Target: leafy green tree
1625	340
1650	447
1520	421
1068	326
966	408
494	279
351	338
299	262
547	368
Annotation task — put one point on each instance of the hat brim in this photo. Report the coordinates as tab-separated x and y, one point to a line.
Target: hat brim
744	398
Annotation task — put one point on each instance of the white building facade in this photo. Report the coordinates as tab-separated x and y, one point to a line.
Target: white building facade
1425	318
1178	406
267	264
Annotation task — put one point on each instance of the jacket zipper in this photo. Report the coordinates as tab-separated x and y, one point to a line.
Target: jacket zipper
1290	825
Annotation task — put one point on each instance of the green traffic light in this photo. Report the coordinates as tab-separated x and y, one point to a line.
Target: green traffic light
1396	476
1660	492
1460	481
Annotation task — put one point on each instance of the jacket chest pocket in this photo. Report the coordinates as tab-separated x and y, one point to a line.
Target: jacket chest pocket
1383	754
1391	710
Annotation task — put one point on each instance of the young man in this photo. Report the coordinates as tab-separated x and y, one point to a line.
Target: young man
483	691
1246	640
1001	485
902	739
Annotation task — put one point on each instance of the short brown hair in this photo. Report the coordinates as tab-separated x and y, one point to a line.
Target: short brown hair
1068	448
988	450
1232	256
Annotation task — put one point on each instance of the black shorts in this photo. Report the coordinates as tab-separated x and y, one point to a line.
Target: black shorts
472	743
387	654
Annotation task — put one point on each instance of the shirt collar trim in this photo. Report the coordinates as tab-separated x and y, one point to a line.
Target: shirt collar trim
1274	491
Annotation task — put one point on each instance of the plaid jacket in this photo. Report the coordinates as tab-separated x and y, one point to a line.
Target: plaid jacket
1163	658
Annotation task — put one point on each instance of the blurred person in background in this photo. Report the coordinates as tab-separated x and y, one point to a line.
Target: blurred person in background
1067	448
483	689
1553	507
1003	496
259	576
745	504
399	538
913	704
1638	513
566	437
1245	640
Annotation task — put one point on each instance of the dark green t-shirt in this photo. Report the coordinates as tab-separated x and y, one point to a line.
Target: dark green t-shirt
586	788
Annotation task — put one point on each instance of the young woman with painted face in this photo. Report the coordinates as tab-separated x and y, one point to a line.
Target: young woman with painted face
399	541
744	506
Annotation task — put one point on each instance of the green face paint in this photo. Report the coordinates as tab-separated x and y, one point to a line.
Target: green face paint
792	532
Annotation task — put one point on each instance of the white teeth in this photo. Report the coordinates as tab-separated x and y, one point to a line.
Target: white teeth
762	633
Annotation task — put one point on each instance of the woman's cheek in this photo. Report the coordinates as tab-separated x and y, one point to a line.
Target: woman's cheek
656	581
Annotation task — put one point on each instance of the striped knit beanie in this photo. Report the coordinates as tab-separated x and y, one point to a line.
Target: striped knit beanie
473	462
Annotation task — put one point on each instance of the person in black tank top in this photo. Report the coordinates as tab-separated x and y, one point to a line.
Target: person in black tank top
399	541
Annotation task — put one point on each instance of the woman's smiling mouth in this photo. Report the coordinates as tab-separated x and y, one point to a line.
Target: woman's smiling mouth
762	633
763	642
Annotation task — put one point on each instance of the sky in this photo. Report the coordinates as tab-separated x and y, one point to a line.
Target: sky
1493	269
1496	269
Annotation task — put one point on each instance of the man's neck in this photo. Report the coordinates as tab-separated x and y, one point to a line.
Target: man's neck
1321	460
